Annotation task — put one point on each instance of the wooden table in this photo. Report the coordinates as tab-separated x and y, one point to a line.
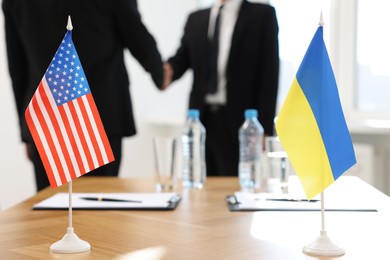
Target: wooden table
201	227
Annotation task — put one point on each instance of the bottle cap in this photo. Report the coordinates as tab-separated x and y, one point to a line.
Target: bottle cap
249	113
193	113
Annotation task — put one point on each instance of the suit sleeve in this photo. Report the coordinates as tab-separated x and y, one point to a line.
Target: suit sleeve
268	79
17	61
137	39
180	62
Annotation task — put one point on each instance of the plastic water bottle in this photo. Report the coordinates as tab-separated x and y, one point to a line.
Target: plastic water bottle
250	140
193	148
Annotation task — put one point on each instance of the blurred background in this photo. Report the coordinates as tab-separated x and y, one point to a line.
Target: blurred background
355	35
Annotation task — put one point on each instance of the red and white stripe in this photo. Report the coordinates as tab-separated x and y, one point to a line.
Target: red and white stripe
70	138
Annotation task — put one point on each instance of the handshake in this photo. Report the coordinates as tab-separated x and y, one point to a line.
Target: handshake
167	76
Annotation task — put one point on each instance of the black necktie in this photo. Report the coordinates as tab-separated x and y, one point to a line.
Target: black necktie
214	46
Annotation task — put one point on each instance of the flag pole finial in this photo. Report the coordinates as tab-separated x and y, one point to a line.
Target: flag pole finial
321	22
69	26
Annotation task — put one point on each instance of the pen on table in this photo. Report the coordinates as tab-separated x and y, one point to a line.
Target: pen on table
288	200
109	199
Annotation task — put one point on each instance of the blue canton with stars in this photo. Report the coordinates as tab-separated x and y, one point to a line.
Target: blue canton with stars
65	75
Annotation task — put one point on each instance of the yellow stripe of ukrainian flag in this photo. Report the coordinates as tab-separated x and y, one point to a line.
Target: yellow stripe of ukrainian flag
306	150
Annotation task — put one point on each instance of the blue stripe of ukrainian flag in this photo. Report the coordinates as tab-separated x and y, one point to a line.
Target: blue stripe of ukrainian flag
311	125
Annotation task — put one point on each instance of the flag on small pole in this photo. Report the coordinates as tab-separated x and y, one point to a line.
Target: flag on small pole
64	121
67	130
311	124
312	129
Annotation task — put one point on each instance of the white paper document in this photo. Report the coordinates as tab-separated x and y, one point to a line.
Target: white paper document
346	194
274	202
111	201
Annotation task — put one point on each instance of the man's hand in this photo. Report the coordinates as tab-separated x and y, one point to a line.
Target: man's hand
29	151
168	74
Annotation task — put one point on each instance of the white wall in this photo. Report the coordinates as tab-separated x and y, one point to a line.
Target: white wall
153	108
165	19
16	178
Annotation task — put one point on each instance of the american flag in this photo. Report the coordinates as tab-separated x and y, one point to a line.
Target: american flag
64	121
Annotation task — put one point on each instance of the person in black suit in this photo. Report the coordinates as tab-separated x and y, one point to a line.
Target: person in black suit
235	61
103	29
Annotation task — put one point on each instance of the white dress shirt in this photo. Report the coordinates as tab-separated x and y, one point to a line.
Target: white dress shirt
228	18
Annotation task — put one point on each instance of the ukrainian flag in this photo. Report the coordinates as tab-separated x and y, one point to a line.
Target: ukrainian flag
311	124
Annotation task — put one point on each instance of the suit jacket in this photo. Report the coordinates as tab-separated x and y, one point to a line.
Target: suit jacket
253	64
103	29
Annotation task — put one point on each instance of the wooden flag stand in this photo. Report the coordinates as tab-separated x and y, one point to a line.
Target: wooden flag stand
70	243
323	245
